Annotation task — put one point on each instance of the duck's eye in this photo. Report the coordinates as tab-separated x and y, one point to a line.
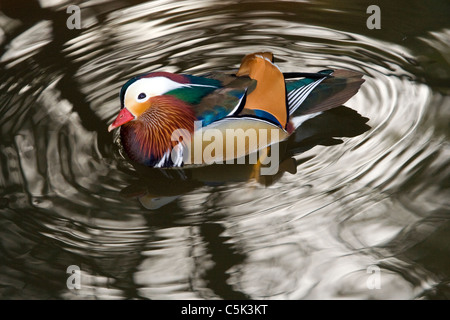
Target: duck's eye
142	96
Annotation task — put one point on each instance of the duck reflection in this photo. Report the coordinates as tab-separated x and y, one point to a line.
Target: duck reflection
158	187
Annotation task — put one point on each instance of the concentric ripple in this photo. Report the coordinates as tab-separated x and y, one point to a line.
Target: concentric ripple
69	197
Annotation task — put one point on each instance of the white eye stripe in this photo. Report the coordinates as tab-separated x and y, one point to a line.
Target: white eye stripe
155	86
151	87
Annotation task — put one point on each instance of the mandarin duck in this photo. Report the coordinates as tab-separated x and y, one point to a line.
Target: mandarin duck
258	96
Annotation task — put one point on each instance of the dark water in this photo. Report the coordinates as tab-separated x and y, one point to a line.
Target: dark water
379	199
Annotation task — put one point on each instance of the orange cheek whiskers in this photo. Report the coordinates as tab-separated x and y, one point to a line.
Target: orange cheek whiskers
157	124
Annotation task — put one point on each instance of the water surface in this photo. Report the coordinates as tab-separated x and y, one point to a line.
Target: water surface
368	186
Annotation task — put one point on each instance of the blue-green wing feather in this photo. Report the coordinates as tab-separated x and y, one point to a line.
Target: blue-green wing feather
215	96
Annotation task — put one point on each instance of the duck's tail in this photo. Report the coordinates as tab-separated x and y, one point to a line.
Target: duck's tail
290	98
318	92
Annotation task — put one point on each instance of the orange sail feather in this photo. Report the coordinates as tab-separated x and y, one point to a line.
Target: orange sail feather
270	92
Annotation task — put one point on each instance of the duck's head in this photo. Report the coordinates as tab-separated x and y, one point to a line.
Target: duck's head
140	93
150	113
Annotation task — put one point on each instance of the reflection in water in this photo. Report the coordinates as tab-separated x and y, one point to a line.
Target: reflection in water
321	130
347	196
